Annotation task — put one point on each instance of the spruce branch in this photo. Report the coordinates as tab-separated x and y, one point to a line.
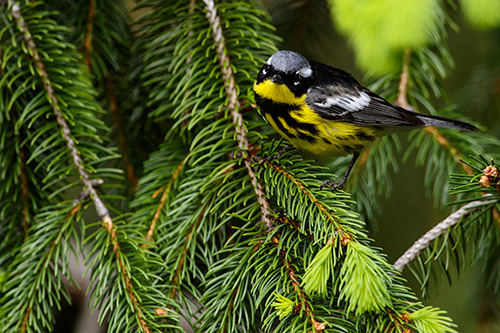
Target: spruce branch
233	103
100	207
325	211
445	143
438	230
304	305
103	36
165	190
45	264
179	267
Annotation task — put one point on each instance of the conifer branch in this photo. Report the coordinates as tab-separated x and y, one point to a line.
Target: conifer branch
445	143
233	103
44	264
163	199
110	92
294	224
304	304
438	230
101	209
311	197
178	270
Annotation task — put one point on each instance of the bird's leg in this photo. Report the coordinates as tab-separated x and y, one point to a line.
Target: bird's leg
341	184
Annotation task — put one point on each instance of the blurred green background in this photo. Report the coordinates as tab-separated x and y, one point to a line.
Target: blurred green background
473	88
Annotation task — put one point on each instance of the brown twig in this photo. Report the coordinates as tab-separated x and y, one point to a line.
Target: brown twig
88	33
122	136
446	144
231	91
318	327
100	207
163	199
402	99
46	258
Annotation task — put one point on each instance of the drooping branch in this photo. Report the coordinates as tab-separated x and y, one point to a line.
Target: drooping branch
101	209
233	103
89	184
426	240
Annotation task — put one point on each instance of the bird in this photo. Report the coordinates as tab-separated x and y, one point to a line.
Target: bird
324	111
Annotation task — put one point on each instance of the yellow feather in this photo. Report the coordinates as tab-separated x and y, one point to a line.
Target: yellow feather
331	137
277	92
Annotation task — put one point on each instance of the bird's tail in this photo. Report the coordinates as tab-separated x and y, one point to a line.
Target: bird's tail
430	120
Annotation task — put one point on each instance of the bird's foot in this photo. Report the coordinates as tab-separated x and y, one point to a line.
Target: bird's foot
258	159
333	185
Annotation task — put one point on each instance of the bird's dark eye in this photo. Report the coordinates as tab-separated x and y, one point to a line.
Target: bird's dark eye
265	70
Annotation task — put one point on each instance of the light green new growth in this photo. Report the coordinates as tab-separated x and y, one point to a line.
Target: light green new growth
319	270
380	29
363	281
431	320
283	305
483	14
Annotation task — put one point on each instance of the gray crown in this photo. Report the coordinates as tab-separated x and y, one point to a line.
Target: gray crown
287	61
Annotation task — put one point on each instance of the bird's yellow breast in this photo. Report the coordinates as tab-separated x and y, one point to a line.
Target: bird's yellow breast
305	128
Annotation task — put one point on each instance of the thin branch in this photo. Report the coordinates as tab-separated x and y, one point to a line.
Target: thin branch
318	327
163	199
311	197
101	209
47	257
122	136
402	99
426	240
84	195
446	144
182	259
88	33
231	91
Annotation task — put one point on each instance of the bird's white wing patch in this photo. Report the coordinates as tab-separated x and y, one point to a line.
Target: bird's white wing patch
350	103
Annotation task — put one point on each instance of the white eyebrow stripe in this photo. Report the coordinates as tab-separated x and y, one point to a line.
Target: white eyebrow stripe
305	72
350	103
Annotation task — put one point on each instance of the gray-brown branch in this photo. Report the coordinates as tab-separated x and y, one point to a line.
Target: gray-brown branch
426	240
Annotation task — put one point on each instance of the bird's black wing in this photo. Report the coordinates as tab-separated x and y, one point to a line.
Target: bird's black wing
337	96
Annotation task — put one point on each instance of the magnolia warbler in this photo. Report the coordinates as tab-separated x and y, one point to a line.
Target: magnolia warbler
325	111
